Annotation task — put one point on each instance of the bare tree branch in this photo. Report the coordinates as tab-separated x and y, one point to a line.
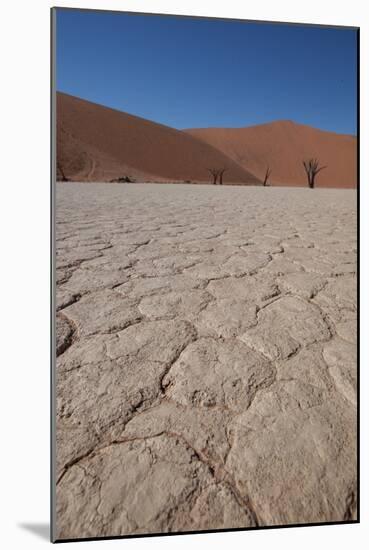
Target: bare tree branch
59	169
312	169
217	172
266	177
221	172
214	172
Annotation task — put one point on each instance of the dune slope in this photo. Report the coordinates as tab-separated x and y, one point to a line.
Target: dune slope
96	143
283	145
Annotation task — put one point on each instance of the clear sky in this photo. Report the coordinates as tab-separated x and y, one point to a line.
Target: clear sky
188	72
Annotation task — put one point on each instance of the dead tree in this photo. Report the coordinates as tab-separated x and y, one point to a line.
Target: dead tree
61	172
312	168
266	177
221	172
215	173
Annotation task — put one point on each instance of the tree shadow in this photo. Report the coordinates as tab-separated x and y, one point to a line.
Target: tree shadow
42	530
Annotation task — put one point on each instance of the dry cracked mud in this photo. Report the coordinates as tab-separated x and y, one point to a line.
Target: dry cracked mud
206	358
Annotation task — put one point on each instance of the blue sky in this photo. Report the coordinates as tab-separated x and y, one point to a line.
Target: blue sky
187	72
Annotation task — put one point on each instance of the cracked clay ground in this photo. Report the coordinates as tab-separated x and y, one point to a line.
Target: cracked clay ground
206	369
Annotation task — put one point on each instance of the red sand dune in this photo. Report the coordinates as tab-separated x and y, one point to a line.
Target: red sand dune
96	143
283	145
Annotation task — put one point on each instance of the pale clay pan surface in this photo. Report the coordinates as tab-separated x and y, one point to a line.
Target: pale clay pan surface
206	369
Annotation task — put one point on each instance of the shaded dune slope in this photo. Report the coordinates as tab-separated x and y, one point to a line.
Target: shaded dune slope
96	143
283	145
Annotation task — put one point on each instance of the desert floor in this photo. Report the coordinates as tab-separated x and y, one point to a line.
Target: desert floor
206	370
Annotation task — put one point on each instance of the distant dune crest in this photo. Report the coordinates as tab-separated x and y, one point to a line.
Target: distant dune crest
283	145
96	143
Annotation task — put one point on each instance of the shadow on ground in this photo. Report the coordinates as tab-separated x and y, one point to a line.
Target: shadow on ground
42	530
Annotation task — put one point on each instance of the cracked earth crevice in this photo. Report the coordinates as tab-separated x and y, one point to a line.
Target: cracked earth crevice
206	358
